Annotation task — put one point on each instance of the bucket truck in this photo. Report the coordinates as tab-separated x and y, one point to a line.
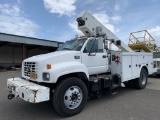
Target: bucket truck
81	68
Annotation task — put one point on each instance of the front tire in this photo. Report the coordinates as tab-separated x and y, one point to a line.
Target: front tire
70	97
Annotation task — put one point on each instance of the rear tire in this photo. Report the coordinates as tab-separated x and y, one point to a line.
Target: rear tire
70	97
141	82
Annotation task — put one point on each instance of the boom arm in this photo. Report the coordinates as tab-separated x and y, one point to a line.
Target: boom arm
91	27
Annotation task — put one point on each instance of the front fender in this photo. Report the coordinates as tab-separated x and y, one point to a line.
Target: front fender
66	68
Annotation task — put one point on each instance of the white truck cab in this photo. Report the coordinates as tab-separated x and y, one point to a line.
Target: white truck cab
80	68
81	55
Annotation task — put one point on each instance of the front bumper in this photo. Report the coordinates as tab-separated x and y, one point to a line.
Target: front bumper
28	91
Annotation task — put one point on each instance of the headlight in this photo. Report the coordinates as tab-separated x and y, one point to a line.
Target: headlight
46	76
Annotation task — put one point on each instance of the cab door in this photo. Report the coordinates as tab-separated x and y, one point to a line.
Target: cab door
94	57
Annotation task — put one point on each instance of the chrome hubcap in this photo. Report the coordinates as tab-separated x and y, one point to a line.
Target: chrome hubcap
73	97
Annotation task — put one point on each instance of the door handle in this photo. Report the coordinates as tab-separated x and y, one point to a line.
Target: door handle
104	56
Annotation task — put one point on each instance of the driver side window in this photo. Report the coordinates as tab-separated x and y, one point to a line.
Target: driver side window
92	46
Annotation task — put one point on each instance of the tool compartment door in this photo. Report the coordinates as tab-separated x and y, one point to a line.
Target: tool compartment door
135	66
126	67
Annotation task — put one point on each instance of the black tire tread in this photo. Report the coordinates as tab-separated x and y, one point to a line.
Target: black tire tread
56	92
137	81
55	104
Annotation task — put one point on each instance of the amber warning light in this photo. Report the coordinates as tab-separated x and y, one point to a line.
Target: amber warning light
49	66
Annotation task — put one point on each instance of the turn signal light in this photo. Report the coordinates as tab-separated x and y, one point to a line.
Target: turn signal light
48	66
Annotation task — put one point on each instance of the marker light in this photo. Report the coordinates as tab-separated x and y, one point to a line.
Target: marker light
83	36
49	66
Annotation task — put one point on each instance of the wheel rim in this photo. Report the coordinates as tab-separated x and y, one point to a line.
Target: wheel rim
143	79
73	97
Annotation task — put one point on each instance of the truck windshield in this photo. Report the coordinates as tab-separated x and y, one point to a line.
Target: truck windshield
75	45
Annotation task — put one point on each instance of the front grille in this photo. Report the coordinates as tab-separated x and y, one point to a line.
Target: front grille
30	67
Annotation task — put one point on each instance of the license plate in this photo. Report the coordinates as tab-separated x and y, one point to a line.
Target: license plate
33	75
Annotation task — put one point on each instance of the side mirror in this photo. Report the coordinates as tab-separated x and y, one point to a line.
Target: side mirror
106	45
109	51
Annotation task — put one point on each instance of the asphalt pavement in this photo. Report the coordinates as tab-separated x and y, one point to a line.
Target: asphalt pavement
127	104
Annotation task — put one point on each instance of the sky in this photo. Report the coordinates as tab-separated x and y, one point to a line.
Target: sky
56	19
